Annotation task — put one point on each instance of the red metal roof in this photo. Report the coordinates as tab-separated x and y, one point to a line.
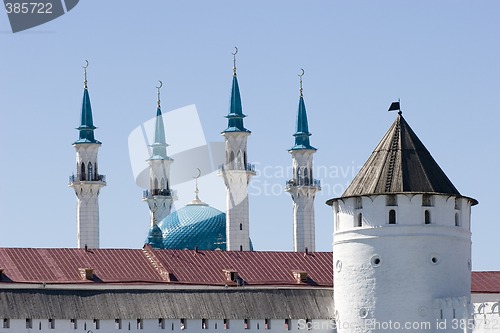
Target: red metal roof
28	265
485	282
61	266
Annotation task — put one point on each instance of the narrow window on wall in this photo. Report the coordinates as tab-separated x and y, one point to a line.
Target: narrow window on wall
241	226
82	171
427	217
215	325
204	324
226	324
288	324
457	220
392	216
29	323
74	324
118	324
183	324
140	324
52	324
359	222
6	323
246	324
97	324
267	324
457	203
161	323
241	247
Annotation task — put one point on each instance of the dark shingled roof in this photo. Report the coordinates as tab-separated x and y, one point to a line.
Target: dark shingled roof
400	163
189	304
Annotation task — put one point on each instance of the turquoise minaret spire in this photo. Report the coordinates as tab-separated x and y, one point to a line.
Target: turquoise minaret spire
159	196
236	172
87	182
302	128
86	127
160	144
303	187
235	116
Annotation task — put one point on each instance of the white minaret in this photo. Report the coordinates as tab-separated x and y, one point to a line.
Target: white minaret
402	243
236	172
87	182
303	187
159	196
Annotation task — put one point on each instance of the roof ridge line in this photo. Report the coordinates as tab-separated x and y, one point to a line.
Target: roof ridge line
156	263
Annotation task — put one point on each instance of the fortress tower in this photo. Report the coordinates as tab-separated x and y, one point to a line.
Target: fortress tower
402	242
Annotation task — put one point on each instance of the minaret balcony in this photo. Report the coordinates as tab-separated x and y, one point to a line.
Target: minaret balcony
237	166
304	182
158	192
87	178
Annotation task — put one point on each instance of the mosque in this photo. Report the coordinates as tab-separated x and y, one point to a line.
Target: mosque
401	255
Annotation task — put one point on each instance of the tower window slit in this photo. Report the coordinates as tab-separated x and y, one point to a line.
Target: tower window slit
457	220
82	171
392	216
89	172
241	226
359	222
427	217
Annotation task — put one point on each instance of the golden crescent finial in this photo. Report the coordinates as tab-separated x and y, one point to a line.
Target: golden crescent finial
234	60
85	73
199	174
301	75
159	87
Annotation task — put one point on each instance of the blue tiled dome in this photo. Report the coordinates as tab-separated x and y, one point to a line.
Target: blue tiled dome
195	225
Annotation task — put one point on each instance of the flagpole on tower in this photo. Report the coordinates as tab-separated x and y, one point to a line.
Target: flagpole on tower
396	106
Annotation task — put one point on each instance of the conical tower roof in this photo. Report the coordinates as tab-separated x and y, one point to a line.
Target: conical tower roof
401	163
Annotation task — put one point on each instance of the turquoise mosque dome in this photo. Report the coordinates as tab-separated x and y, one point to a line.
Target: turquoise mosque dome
195	226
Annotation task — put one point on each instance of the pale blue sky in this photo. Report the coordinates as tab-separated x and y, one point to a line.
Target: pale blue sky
441	58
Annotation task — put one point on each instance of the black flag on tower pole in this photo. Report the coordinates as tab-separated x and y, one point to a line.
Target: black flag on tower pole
395	106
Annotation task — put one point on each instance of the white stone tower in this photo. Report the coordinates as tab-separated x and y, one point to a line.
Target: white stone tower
402	243
159	196
303	187
87	182
236	172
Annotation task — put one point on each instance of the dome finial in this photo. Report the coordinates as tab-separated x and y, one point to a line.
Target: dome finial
158	88
301	75
234	60
85	73
197	200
